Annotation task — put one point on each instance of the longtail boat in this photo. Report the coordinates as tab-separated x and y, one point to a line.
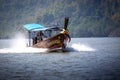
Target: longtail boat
48	37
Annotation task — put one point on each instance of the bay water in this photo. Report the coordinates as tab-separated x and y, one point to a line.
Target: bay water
84	59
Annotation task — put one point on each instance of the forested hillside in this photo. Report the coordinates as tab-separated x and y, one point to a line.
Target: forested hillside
88	18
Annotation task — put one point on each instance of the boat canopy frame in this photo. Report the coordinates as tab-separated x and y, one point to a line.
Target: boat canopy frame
31	28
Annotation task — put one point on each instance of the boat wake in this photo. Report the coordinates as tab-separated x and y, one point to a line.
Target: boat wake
81	47
22	50
18	45
73	47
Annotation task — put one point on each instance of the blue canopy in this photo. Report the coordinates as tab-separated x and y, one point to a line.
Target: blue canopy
33	26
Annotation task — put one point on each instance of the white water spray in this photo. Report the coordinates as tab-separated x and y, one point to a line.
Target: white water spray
19	45
82	47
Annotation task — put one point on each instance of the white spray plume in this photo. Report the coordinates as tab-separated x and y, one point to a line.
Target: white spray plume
82	47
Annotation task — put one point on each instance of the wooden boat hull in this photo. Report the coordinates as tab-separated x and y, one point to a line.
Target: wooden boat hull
57	41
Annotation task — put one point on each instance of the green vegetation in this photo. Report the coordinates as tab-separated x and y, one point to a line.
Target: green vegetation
88	18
